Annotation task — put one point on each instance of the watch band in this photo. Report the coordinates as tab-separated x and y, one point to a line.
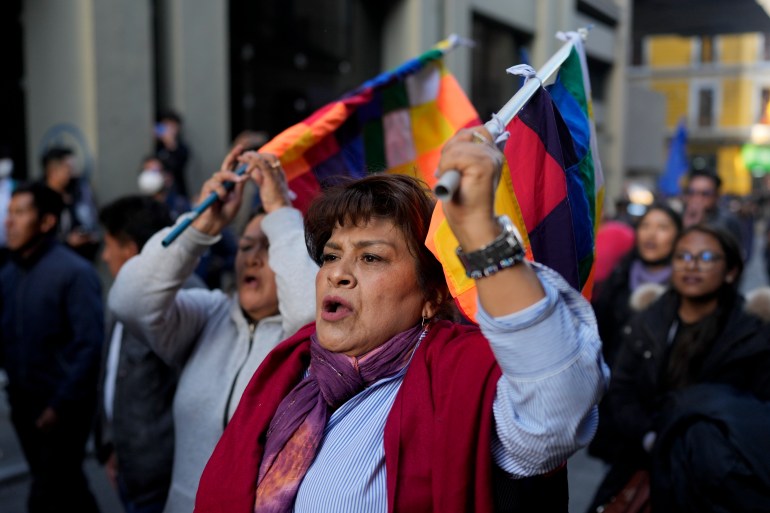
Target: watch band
503	252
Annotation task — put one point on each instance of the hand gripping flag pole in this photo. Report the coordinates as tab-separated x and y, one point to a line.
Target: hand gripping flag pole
448	184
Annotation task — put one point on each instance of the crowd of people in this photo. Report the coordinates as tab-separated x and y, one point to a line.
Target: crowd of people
318	362
688	357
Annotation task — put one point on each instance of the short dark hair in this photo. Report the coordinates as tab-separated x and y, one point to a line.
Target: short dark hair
55	153
170	115
134	219
706	173
45	199
403	200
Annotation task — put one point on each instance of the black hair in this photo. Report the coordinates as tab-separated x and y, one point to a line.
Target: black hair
170	115
134	219
706	173
55	154
45	199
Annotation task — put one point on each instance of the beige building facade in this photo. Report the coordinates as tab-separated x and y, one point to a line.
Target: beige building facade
96	72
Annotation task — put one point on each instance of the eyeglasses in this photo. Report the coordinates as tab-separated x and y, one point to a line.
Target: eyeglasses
701	193
704	260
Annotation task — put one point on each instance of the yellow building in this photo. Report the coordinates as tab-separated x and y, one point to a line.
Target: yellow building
720	86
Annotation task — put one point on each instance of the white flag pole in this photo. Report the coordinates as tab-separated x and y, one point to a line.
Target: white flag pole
448	184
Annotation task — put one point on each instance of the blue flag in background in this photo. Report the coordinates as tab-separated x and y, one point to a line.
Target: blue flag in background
677	163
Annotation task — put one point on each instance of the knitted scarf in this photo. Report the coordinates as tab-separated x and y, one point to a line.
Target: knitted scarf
296	431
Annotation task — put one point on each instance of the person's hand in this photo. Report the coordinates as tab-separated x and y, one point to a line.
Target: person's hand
219	215
47	420
265	169
471	216
111	469
471	212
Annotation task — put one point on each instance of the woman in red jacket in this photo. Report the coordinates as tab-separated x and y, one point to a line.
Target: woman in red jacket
384	405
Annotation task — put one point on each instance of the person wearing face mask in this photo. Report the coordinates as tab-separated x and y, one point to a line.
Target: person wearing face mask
685	368
156	182
218	340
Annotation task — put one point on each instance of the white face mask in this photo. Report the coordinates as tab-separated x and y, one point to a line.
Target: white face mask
151	182
6	168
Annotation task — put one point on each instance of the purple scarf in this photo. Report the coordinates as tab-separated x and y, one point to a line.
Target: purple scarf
297	428
639	275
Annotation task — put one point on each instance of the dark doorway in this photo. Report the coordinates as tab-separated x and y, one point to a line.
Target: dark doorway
13	129
290	57
498	47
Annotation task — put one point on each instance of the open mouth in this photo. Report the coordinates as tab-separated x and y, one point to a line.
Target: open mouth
251	281
334	308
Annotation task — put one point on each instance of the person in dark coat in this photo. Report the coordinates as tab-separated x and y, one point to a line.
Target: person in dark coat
712	434
135	432
51	331
697	332
648	262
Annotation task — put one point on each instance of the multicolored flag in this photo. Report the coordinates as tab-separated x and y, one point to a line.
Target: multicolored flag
585	182
533	192
551	188
395	123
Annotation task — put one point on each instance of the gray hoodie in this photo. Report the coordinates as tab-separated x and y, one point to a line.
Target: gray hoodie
206	333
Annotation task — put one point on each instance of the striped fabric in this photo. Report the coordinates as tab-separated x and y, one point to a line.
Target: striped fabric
533	192
537	425
572	95
396	123
552	187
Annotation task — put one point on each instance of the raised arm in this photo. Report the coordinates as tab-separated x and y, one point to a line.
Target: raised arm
294	270
543	332
146	295
471	216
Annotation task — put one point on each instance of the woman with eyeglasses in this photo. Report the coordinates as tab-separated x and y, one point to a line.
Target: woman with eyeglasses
695	335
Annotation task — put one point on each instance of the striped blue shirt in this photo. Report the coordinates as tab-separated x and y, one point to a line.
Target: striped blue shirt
544	410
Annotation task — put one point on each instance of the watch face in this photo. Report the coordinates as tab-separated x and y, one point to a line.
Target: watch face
505	251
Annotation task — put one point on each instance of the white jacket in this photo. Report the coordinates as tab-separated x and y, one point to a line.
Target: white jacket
206	334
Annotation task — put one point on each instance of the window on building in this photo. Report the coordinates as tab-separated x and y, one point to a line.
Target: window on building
764	100
765	46
707	52
705	106
287	59
599	74
498	48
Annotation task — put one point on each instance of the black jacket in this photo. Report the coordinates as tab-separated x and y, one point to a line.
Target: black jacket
612	308
712	453
142	430
51	329
739	357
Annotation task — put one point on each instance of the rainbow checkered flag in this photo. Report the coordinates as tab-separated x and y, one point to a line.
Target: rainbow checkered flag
551	185
394	123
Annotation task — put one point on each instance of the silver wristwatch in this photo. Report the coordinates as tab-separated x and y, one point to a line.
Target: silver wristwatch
505	251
